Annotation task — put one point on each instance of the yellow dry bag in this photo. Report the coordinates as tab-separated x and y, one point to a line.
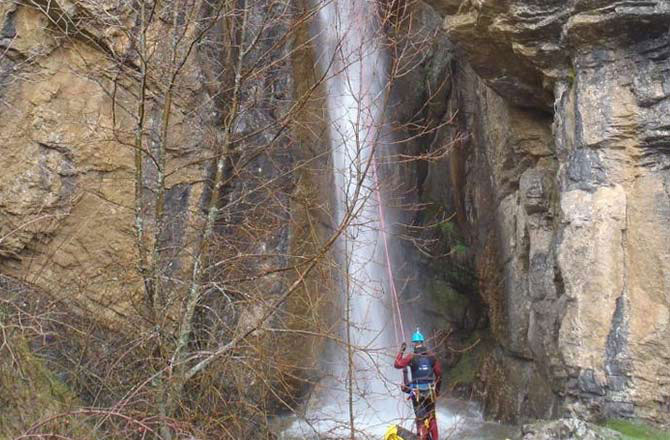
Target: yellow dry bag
392	433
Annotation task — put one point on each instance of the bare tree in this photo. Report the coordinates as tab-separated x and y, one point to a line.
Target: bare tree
214	278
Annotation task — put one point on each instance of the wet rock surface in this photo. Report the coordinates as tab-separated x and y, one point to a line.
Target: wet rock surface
565	199
564	429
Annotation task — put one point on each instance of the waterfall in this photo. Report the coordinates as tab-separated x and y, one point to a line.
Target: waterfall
356	91
352	55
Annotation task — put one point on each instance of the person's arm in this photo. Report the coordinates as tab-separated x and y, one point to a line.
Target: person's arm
400	361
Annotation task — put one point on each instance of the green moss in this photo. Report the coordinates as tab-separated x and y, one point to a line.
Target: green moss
447	228
449	302
466	370
633	430
572	74
459	249
451	233
29	392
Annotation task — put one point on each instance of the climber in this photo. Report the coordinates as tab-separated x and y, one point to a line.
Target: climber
424	386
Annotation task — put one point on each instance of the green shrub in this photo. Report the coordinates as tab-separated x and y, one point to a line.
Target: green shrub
634	430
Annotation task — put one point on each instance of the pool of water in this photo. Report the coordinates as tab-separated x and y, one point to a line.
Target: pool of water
457	419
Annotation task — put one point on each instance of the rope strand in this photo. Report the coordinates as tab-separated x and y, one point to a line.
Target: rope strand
396	304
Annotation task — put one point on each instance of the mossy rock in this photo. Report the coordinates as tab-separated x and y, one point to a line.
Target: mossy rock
465	374
30	392
634	430
450	304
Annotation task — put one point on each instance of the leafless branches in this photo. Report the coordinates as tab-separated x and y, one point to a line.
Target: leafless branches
220	163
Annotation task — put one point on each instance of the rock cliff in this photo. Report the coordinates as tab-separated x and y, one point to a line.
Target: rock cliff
557	181
116	121
565	199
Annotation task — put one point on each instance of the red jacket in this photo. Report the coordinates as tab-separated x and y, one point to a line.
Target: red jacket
403	362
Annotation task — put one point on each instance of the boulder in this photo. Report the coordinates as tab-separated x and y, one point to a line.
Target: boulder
567	429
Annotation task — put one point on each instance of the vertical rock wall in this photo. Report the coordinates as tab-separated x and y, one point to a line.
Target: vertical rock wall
69	84
566	198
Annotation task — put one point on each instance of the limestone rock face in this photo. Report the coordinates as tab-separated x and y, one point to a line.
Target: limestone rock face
68	91
62	183
566	199
521	47
568	428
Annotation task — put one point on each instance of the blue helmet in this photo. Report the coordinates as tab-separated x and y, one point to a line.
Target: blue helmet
417	337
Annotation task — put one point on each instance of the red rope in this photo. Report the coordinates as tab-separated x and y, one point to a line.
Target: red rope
370	121
397	316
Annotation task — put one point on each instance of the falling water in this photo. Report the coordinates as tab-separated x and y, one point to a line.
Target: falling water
351	52
355	94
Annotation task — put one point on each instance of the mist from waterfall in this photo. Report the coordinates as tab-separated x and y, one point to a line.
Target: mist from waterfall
351	53
360	391
356	92
360	383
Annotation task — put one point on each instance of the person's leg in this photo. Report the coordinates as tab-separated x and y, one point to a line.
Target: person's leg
430	413
423	427
433	428
422	412
417	414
